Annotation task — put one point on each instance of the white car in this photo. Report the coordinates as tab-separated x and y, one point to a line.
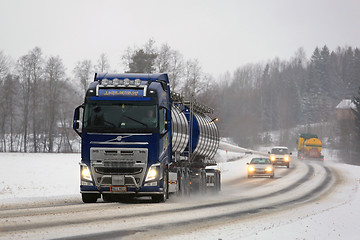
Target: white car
260	167
280	156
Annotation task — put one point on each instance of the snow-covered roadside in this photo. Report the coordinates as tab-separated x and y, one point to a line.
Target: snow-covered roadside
334	216
29	177
33	177
38	176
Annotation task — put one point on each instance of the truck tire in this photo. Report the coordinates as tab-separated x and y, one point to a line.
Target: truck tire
165	195
203	182
182	182
217	182
107	198
219	179
187	183
89	197
178	179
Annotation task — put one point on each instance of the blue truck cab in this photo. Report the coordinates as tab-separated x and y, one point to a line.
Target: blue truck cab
125	129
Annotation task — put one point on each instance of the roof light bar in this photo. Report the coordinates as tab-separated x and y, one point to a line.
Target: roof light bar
121	83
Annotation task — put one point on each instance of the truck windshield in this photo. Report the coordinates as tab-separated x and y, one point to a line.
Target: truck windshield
106	116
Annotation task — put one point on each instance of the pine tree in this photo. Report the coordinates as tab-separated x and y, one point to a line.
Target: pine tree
142	62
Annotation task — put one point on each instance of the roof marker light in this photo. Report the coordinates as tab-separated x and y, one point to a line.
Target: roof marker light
105	82
126	82
137	82
116	82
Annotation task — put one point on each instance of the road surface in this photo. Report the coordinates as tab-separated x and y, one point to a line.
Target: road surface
240	200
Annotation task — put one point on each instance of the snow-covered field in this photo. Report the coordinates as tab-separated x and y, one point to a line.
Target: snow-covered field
32	177
38	176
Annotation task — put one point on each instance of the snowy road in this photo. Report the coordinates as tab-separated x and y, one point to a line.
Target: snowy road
239	209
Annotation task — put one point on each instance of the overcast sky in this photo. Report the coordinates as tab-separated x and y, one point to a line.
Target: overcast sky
222	35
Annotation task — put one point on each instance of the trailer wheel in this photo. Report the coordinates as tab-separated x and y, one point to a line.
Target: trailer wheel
89	197
187	183
182	183
203	182
217	181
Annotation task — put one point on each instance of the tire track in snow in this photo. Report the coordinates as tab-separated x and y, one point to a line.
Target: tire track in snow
65	222
219	217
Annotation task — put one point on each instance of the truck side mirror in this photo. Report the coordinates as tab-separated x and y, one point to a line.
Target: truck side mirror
77	122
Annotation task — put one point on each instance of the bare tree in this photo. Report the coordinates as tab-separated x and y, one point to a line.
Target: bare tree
162	62
4	89
54	73
25	80
4	65
36	70
83	73
176	70
193	78
103	64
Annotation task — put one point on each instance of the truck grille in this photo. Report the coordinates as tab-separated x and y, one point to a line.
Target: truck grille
108	181
110	170
107	163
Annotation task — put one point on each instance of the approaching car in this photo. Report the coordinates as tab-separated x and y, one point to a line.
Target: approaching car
280	156
260	167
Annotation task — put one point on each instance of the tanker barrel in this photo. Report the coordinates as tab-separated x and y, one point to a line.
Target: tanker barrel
205	136
180	130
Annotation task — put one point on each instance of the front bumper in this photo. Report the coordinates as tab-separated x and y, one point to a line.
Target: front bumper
281	162
142	191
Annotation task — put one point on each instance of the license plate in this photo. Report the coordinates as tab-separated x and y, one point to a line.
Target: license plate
118	189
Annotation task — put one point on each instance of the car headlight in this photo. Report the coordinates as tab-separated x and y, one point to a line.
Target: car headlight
269	169
251	169
85	173
152	173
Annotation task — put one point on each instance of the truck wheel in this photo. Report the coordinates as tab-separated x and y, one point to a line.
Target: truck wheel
89	197
165	195
107	198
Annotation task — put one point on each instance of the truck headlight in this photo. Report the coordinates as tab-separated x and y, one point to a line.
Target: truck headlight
152	173
272	158
286	158
85	173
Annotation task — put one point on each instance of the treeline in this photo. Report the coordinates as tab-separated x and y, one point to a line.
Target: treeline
283	94
38	97
37	101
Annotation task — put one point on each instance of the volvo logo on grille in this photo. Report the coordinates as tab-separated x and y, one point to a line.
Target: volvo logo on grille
119	138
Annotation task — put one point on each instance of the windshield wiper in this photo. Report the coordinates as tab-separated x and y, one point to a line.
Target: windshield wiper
135	120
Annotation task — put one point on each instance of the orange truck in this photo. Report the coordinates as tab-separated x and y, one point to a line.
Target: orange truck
309	146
